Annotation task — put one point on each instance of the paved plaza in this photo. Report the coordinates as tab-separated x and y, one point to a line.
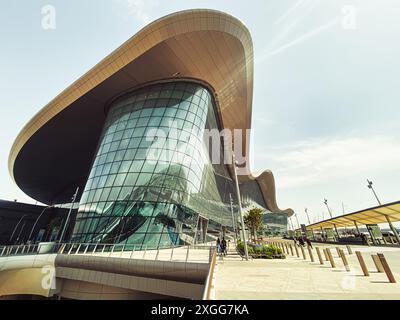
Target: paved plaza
296	278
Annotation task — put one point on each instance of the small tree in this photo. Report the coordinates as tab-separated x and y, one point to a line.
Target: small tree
254	220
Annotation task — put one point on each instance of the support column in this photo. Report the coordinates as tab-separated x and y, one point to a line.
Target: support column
337	233
393	229
356	225
372	236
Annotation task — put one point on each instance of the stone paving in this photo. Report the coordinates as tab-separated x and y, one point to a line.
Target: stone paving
296	278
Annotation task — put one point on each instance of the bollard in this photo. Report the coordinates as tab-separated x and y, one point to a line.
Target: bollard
377	263
349	249
328	252
319	256
303	253
291	249
311	254
326	255
297	251
344	259
362	263
287	248
386	268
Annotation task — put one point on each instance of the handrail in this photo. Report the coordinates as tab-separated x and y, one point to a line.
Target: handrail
208	283
94	248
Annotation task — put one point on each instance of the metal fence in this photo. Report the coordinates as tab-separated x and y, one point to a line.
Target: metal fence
122	250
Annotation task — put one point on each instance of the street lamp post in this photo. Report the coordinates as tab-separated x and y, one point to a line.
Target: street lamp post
396	234
69	214
291	223
233	218
246	252
37	220
330	213
16	226
297	219
329	209
370	186
308	217
309	222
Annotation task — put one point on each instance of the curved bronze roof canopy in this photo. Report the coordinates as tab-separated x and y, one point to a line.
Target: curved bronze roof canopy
52	155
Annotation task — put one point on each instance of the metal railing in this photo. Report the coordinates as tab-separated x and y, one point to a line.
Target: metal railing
209	281
137	251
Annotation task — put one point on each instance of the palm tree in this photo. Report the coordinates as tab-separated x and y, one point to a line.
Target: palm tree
254	220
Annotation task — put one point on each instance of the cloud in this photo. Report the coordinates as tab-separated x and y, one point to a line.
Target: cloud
311	162
139	9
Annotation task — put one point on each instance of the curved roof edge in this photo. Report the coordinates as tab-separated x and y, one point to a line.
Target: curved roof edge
266	182
225	44
156	32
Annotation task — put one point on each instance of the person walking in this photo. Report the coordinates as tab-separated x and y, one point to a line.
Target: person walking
223	246
218	246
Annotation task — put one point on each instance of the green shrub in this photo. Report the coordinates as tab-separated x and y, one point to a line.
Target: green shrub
263	251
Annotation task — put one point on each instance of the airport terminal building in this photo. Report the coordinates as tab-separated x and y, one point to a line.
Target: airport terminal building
129	135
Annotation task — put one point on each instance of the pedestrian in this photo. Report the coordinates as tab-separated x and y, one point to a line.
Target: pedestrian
219	246
223	246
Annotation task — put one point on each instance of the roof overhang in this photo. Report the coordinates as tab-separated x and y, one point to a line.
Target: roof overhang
375	215
53	153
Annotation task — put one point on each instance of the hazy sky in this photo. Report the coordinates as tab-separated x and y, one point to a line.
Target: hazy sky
326	88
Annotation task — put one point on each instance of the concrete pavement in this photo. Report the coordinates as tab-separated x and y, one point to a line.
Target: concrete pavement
295	278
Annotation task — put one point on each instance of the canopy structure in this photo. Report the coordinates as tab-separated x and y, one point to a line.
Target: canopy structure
375	215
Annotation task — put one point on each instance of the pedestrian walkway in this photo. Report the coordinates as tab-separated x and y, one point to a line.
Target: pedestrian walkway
296	278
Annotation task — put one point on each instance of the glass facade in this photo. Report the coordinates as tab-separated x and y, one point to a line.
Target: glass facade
275	224
152	182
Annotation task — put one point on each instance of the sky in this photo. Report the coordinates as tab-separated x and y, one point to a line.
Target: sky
326	86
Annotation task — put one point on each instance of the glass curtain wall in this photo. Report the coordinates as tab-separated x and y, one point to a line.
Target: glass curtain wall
152	176
152	181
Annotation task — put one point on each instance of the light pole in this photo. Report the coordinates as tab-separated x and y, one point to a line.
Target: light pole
69	214
370	186
297	219
246	252
233	217
308	217
16	226
330	213
396	234
329	209
291	223
37	220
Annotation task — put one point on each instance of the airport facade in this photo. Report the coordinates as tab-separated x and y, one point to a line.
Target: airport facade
129	136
